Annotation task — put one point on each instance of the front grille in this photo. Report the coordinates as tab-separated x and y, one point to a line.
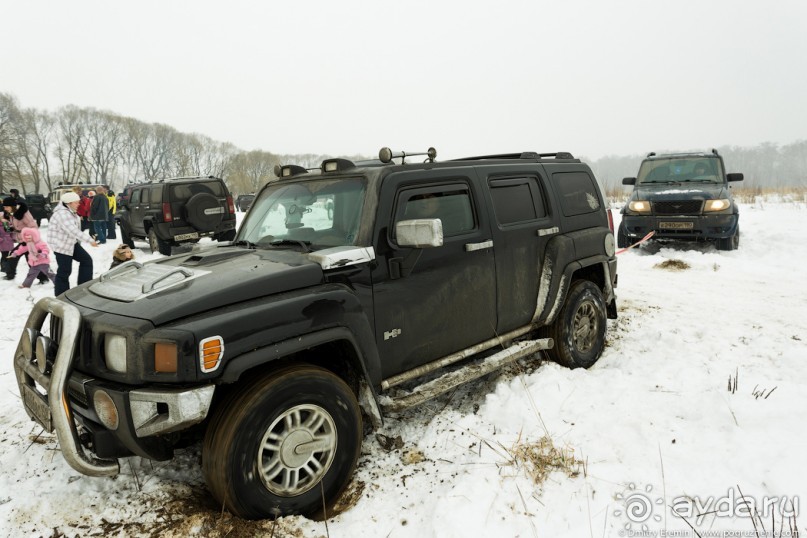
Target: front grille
684	207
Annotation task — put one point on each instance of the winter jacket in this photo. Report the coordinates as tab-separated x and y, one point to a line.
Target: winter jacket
99	208
84	206
38	251
64	230
113	206
22	218
6	237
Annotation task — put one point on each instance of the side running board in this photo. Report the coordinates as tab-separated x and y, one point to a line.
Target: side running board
473	370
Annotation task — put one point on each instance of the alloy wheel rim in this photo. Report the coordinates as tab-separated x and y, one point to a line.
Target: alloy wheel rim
297	450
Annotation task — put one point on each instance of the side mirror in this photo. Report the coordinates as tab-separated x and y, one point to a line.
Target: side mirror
419	233
629	181
734	177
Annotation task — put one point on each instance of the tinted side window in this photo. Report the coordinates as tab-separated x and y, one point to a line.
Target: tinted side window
451	204
155	194
135	198
517	200
578	193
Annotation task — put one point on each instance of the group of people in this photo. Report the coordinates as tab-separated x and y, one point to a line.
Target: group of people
20	237
97	211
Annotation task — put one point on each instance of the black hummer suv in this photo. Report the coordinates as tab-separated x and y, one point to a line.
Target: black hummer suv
683	196
39	206
178	210
350	292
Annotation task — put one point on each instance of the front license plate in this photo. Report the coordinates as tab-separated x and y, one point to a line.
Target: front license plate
676	225
38	405
182	237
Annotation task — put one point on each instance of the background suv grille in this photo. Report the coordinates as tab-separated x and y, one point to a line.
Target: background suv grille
685	207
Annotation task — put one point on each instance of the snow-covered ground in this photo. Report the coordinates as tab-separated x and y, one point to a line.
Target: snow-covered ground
653	423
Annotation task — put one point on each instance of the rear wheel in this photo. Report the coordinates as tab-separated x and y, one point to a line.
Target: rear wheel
158	245
579	330
282	444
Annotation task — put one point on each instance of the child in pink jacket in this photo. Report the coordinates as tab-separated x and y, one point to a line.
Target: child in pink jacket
38	256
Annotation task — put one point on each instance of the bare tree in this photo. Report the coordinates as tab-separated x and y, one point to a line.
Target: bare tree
248	172
9	133
71	144
105	144
36	134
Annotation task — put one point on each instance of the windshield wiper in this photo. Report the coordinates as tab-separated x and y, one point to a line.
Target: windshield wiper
303	244
245	243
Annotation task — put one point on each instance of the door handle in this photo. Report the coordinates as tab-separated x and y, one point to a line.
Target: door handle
470	247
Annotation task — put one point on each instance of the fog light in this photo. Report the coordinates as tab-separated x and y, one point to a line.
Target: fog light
44	353
115	353
105	409
28	338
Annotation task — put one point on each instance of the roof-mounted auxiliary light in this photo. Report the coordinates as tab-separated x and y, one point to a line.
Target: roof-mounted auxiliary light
289	170
336	165
385	155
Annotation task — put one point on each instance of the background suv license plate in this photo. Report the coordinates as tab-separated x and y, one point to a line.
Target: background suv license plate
675	225
182	237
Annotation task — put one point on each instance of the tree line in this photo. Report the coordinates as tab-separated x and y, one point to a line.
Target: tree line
39	150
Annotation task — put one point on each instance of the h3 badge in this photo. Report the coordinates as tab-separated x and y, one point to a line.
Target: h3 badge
391	334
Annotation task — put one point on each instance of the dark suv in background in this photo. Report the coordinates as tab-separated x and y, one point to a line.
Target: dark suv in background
179	210
39	206
684	196
244	201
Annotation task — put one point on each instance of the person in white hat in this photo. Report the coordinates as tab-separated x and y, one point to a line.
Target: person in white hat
65	238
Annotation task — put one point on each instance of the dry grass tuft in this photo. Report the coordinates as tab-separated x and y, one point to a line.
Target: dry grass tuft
672	265
542	457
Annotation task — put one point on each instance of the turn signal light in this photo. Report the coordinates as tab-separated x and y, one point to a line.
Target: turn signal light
211	351
165	357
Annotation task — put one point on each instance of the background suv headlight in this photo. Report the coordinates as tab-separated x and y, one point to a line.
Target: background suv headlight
716	205
115	353
639	206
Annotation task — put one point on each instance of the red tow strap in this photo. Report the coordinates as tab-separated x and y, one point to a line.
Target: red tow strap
639	242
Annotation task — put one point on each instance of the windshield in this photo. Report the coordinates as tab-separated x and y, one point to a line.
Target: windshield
680	170
322	213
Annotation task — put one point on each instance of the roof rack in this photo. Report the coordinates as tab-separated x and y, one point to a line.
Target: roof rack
522	155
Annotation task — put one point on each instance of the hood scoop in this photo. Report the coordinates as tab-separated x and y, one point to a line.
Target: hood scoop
132	280
206	258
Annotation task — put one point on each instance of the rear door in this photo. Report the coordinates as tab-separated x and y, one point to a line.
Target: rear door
431	302
137	210
522	224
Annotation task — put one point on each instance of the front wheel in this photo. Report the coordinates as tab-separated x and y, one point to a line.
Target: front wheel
730	243
622	237
579	330
284	444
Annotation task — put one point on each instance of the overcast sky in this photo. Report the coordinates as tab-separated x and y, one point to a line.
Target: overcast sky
343	77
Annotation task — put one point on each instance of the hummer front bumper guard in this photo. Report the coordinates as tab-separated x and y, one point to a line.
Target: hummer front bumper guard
36	364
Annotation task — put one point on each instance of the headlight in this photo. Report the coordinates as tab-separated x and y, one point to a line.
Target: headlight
115	353
716	205
639	206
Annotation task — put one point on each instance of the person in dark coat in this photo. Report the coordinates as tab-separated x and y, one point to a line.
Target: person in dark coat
99	214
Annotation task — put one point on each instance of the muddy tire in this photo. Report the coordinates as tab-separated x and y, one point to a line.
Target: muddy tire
579	330
282	443
158	245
